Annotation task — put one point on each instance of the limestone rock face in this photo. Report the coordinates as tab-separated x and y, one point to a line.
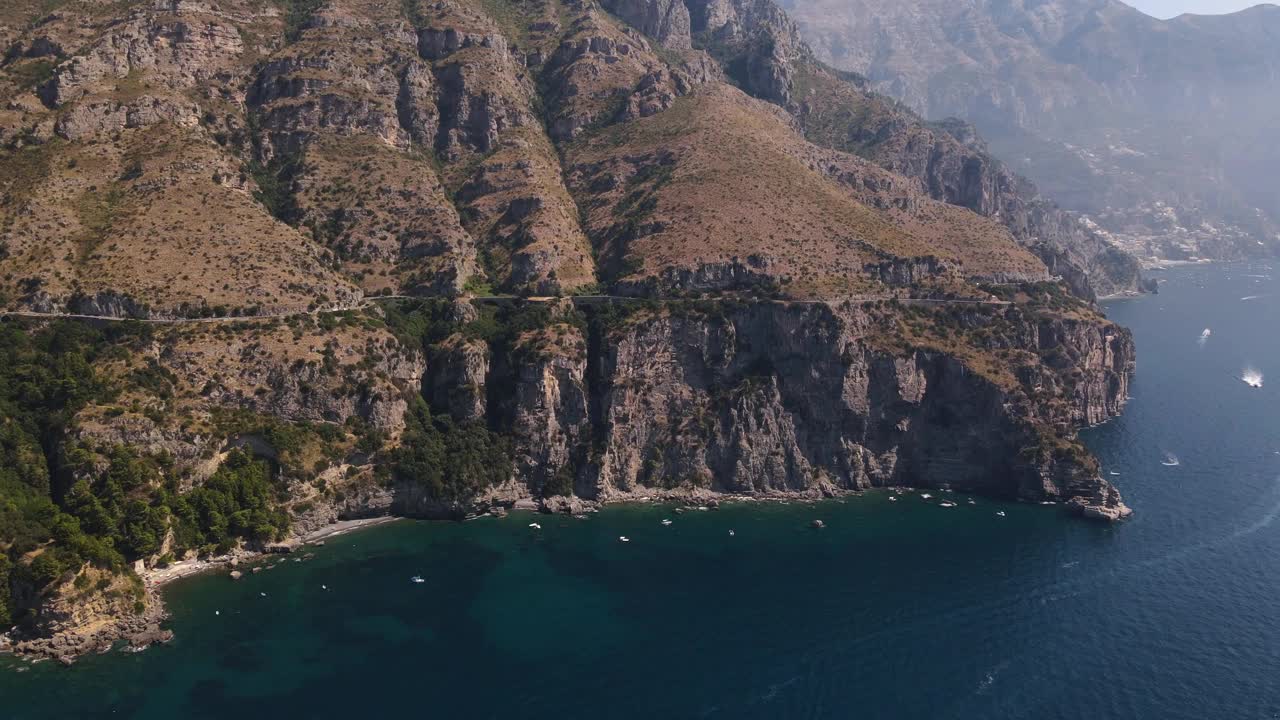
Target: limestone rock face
550	410
601	73
667	21
187	47
71	626
92	119
459	371
763	40
807	400
831	411
315	379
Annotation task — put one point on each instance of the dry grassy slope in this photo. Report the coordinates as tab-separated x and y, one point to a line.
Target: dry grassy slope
721	179
162	158
953	165
196	385
763	52
161	216
385	214
116	197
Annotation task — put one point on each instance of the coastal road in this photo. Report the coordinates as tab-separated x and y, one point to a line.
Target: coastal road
501	300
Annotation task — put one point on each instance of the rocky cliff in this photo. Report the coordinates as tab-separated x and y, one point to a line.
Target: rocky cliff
704	397
699	396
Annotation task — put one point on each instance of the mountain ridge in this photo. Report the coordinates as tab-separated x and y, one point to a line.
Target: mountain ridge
1157	130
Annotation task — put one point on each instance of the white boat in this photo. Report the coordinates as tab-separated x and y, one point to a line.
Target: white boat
946	504
973	502
666	522
1000	513
926	496
535	526
893	499
1115	474
623	538
417	579
731	533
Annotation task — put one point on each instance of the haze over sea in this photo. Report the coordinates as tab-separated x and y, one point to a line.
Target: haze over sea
895	610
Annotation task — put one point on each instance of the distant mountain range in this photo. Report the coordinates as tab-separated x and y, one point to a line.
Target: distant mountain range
1163	132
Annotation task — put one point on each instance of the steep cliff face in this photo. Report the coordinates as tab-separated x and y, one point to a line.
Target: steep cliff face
810	399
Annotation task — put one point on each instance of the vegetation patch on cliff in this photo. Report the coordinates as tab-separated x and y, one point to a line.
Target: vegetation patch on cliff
66	506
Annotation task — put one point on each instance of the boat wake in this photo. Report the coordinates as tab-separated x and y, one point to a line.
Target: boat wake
1171	460
1251	377
1247	298
990	679
1262	524
1204	337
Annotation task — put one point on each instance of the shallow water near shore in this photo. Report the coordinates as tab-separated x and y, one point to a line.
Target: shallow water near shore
895	610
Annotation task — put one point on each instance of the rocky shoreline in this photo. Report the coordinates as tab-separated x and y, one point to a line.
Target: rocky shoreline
139	632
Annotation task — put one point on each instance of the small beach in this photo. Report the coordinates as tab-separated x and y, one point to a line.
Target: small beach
159	577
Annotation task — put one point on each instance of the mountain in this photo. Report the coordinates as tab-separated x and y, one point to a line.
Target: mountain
264	266
1162	132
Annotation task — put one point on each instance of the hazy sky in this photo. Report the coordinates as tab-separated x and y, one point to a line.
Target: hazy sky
1170	8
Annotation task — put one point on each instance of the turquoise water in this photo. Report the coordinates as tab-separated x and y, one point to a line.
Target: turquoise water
895	610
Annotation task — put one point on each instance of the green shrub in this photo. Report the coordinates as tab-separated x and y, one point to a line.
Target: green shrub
451	461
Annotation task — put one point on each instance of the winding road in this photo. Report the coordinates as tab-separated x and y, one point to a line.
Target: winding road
578	301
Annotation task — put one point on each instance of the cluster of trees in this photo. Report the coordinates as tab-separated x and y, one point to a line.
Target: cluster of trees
62	506
452	461
239	501
133	505
45	377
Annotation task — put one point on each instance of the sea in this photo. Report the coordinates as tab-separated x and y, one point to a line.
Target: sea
896	609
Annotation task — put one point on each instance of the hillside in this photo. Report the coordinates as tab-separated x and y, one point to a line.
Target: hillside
355	258
1161	131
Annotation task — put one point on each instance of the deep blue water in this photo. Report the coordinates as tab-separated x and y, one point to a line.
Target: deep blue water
896	610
